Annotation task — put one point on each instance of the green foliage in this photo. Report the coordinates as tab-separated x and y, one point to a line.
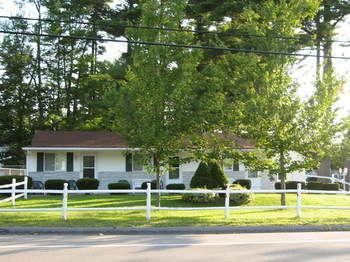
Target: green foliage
87	184
246	183
175	186
290	185
209	176
323	186
240	199
217	174
153	184
119	185
55	184
201	197
5	180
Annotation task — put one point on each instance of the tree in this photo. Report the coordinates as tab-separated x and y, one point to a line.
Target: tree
154	107
16	93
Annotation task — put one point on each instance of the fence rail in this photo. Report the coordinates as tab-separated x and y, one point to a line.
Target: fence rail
149	208
14	190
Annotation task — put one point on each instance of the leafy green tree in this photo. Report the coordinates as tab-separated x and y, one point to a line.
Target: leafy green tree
16	93
154	107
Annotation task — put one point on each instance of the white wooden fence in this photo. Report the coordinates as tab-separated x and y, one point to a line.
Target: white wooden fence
149	208
13	190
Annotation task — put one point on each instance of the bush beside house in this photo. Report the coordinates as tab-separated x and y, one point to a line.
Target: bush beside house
239	199
55	184
290	185
119	185
175	186
153	184
87	183
247	183
209	176
4	180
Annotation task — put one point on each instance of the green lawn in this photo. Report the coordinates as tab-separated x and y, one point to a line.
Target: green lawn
172	218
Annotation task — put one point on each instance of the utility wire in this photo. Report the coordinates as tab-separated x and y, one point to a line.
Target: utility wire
236	50
230	33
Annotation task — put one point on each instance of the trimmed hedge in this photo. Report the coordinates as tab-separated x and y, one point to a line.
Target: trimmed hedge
176	187
87	183
201	197
290	185
119	185
4	180
153	184
247	183
323	186
209	176
239	198
55	184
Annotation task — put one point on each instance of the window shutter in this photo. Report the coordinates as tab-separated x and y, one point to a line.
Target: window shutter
40	162
70	162
128	162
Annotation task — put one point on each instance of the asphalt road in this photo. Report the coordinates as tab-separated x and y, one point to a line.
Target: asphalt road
323	246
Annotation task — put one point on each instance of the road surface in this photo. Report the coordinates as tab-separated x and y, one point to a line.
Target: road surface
323	246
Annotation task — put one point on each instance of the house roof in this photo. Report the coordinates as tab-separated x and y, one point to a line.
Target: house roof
78	139
95	140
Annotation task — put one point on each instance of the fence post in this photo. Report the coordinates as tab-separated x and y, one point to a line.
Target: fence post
13	191
227	201
65	201
299	200
148	202
25	187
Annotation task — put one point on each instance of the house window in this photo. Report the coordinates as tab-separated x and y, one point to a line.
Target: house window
49	161
174	172
232	166
54	162
133	162
137	162
89	166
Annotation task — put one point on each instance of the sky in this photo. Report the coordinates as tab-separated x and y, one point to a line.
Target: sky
303	73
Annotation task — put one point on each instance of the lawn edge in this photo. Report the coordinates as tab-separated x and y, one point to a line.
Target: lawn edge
172	230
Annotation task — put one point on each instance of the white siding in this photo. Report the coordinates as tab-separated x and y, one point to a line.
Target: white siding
110	161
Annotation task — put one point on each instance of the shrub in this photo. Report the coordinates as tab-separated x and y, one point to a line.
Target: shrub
217	174
201	178
209	176
153	184
247	183
176	186
4	180
200	197
239	198
55	184
331	186
87	183
323	186
311	179
119	185
290	185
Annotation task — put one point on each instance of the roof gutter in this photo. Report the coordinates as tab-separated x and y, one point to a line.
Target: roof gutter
79	148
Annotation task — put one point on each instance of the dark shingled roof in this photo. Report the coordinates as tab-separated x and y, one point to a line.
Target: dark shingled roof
97	139
88	139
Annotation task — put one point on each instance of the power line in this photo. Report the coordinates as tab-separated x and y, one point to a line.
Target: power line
307	37
237	50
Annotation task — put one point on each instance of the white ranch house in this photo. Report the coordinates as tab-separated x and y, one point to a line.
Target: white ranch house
71	155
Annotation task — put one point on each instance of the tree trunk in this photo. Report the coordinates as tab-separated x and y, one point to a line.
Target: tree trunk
282	174
157	166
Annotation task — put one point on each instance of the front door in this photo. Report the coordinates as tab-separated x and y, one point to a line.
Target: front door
89	166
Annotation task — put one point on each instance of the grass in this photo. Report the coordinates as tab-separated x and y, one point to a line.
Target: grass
172	218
